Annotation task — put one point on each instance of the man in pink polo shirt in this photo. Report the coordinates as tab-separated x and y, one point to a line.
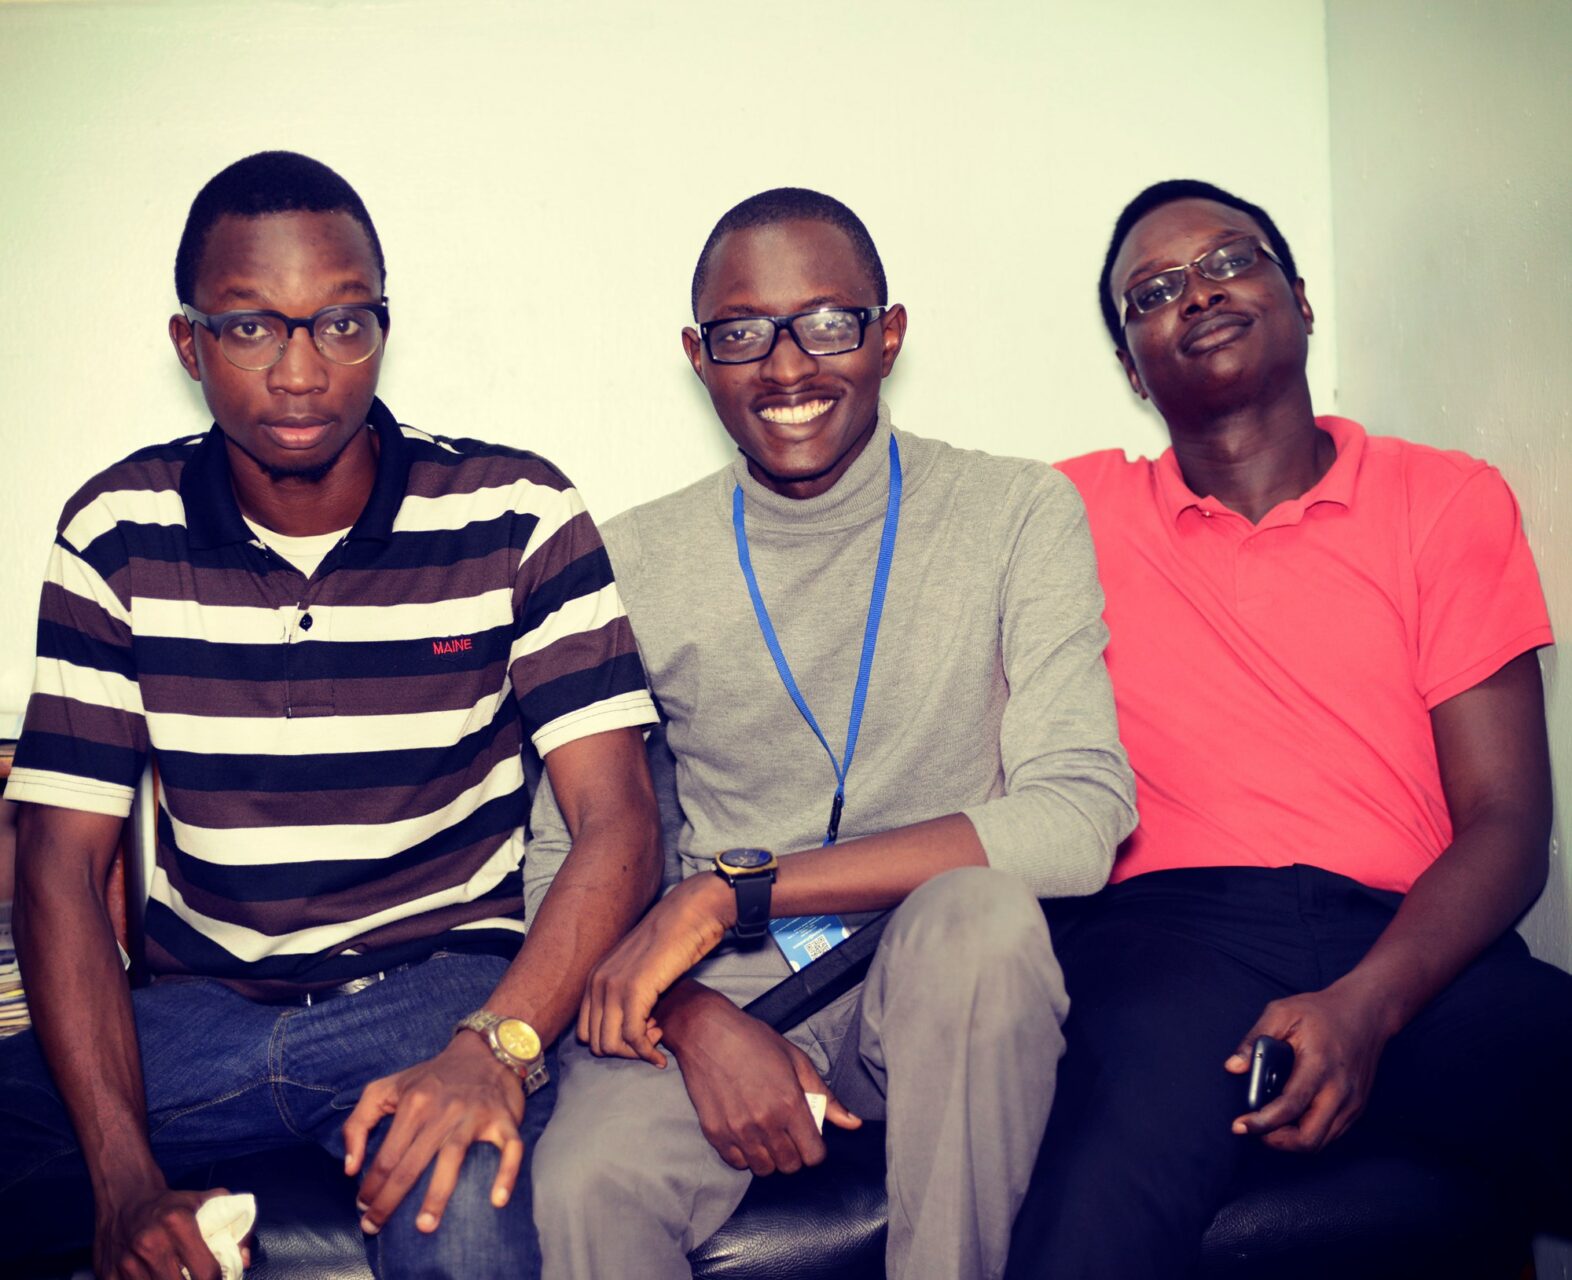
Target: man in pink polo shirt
1323	658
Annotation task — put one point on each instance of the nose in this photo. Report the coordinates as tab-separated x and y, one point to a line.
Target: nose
1201	294
302	369
788	364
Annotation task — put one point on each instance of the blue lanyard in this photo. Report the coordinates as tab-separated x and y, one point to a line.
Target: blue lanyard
870	635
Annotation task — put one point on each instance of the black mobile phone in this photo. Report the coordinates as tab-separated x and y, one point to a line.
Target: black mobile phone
1271	1063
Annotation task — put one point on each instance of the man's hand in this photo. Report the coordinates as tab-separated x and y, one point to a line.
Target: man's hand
680	930
439	1107
1338	1036
747	1083
154	1235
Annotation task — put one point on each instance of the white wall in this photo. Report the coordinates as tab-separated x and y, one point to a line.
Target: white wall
1453	218
545	170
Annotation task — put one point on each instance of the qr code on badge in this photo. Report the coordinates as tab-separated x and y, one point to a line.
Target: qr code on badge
816	946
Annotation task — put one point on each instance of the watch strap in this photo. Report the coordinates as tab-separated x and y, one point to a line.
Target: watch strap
483	1023
753	905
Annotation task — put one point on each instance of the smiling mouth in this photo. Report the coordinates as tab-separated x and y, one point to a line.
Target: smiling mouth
794	415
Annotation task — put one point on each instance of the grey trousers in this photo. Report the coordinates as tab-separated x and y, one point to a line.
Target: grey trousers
953	1039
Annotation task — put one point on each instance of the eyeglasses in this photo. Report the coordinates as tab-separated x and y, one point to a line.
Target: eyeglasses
1232	259
829	331
256	340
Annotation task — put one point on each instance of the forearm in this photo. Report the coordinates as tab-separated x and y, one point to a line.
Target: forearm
604	885
81	1011
1467	899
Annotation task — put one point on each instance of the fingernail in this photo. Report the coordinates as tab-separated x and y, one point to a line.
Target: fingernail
360	1208
1239	1127
426	1222
499	1198
1233	1059
368	1226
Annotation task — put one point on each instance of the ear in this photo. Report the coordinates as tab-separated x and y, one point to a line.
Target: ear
184	337
892	327
693	347
1304	305
1130	372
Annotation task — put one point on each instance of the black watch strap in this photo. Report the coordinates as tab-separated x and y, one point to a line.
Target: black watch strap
753	905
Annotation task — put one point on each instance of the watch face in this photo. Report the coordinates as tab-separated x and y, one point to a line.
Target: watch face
518	1039
745	859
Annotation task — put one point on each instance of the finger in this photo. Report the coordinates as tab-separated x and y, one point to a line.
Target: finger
444	1177
757	1155
1303	1085
635	1031
1310	1133
380	1098
812	1082
1238	1061
379	1193
583	1028
508	1171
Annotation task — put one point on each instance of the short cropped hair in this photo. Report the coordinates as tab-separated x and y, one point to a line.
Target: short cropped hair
793	204
1154	197
268	182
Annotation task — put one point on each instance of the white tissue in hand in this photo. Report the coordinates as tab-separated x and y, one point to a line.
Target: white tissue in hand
816	1104
225	1221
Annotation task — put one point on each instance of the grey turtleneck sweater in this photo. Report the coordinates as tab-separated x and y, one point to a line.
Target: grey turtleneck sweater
988	695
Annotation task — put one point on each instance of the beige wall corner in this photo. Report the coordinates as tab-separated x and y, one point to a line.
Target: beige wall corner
1452	220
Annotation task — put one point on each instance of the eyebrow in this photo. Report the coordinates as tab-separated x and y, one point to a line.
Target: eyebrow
812	304
1155	267
344	288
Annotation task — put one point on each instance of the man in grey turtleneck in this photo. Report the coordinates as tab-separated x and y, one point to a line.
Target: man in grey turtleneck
941	604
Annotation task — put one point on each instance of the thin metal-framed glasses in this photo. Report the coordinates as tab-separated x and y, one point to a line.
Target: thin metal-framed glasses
1223	263
824	331
256	340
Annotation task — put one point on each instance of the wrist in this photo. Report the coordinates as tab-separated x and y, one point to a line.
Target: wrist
130	1178
680	1007
1379	1003
711	897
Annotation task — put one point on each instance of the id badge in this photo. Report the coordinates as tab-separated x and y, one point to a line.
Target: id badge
803	939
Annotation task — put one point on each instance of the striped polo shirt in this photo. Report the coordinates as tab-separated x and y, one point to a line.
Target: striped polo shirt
341	781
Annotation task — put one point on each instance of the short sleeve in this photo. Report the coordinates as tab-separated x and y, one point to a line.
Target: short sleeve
574	665
84	740
1480	601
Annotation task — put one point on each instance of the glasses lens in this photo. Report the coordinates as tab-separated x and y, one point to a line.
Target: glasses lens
828	333
1156	291
1229	261
347	335
739	341
252	340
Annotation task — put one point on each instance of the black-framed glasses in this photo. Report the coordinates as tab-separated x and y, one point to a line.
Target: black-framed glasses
1223	263
256	340
826	331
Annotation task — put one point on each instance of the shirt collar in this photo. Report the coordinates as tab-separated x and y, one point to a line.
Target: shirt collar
213	516
1336	486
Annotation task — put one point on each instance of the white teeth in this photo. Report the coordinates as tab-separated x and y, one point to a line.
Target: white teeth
794	415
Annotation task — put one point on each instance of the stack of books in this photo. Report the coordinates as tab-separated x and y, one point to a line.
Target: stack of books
13	1006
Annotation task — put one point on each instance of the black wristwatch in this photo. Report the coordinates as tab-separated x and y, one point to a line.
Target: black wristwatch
750	873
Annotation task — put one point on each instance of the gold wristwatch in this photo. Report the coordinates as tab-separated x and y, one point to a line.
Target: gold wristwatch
514	1042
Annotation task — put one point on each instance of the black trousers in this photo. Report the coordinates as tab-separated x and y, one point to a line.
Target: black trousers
1167	972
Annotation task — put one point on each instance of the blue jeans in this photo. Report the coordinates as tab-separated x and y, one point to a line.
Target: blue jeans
226	1076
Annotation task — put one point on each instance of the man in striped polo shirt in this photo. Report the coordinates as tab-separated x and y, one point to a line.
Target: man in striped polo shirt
334	636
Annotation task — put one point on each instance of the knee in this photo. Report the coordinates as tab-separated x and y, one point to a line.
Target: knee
474	1237
981	926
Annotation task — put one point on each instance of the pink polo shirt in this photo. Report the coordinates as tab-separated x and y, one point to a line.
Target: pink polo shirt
1275	681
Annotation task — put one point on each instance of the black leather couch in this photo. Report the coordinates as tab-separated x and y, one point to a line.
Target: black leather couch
1355	1212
